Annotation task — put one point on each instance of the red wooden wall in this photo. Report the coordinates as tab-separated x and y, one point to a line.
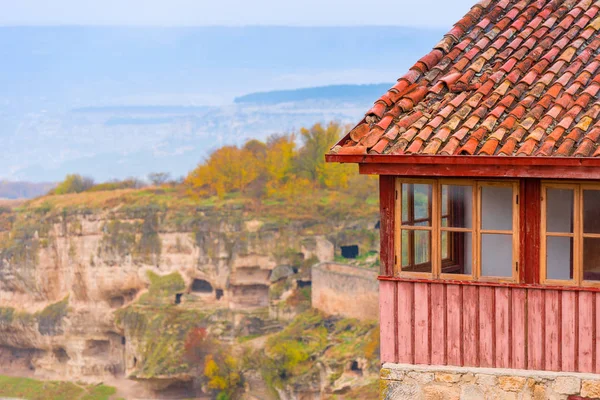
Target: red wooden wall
489	326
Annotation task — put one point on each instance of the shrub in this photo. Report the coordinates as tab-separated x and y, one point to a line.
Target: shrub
73	183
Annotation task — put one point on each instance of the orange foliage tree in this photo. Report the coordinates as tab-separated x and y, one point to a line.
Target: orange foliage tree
278	166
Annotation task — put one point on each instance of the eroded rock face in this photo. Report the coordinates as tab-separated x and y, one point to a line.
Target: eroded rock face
64	279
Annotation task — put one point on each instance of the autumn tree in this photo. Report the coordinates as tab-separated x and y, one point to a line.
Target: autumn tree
223	374
227	169
310	161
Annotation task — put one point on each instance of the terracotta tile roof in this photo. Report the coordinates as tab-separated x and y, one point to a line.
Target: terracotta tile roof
515	78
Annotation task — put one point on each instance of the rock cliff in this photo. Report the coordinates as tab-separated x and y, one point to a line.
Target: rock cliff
100	289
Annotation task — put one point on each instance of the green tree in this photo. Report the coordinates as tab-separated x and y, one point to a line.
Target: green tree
310	161
73	183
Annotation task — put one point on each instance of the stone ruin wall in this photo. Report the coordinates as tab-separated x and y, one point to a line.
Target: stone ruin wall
339	289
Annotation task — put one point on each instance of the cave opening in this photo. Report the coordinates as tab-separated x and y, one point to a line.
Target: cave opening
219	294
61	355
116	301
178	298
303	284
201	286
350	251
134	362
354	367
123	340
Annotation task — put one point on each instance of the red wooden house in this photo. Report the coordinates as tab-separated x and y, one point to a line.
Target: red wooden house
488	152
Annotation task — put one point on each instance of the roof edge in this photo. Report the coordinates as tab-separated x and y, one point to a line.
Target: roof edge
465	160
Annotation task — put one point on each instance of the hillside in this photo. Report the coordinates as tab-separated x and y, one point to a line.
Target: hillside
87	279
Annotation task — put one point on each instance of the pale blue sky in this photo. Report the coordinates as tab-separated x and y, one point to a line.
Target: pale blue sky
421	13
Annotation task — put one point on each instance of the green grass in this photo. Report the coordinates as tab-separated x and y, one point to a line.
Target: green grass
32	389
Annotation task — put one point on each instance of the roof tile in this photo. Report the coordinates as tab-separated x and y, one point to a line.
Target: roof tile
513	77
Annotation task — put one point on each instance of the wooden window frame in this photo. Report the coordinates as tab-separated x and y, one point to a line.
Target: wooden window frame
399	228
436	230
472	229
578	234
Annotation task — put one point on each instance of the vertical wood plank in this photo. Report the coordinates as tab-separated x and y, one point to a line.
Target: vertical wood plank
405	323
585	358
387	199
529	233
453	321
519	328
421	304
387	321
535	329
438	325
502	327
486	326
470	326
596	334
568	331
552	330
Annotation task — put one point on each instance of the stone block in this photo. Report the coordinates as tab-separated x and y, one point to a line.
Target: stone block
590	388
566	385
471	392
468	378
421	377
539	393
486	380
441	392
447	377
511	383
402	391
391	374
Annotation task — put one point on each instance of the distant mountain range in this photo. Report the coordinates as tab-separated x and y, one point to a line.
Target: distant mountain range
355	93
119	102
23	190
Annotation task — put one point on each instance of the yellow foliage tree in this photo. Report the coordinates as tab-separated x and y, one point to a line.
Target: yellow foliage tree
227	169
278	162
222	376
311	158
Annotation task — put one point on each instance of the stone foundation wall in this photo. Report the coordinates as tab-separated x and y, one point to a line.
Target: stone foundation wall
419	382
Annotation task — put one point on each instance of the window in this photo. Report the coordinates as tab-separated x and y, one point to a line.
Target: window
570	243
456	229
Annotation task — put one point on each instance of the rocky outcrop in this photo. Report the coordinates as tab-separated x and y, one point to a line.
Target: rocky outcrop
91	294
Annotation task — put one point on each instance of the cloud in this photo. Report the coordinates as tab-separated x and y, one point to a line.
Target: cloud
429	13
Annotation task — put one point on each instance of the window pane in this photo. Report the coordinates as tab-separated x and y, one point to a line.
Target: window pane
422	201
496	208
446	243
445	200
559	258
591	211
460	206
405	203
460	259
591	259
416	251
496	255
559	210
416	204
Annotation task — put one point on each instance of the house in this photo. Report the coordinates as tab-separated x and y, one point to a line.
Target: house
488	155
